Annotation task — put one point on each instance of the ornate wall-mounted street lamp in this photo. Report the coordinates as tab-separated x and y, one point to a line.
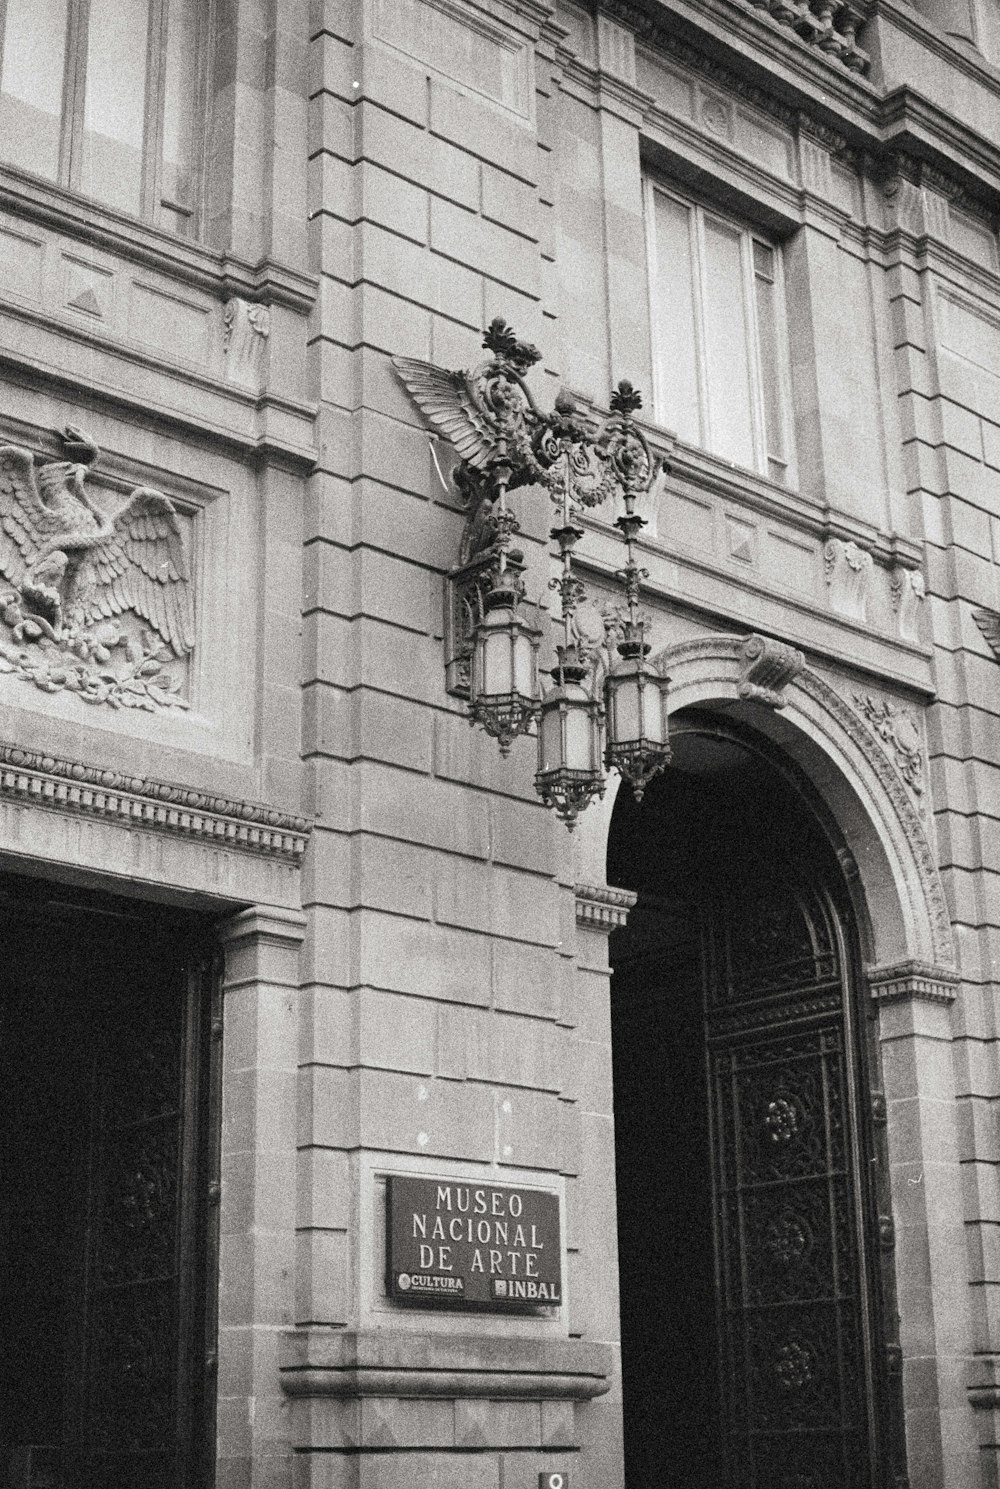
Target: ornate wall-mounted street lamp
505	442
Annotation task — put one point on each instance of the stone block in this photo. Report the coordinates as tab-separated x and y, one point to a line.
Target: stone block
430	961
529	1130
323	1190
473	126
396	1033
394	730
443	1119
526	980
502	902
960	428
390	1425
453	1470
421	810
323	1293
430	279
509	201
497	1424
445	169
483	246
502	1049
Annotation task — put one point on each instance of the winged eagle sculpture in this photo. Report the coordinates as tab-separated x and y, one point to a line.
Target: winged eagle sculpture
73	565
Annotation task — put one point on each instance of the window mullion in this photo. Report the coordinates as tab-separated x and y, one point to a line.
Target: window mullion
761	451
654	295
74	90
698	261
152	148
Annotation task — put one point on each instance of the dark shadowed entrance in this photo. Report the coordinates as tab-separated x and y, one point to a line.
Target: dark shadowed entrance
753	1336
107	1168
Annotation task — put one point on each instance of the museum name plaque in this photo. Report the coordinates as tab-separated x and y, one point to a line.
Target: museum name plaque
491	1246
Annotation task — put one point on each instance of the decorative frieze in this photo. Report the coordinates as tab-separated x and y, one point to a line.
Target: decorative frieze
831	26
600	908
920	981
848	569
35	779
766	669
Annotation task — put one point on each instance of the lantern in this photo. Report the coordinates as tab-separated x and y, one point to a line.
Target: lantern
503	681
636	704
569	740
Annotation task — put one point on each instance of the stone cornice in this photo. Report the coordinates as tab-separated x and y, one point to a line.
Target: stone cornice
804	91
382	1362
912	981
600	908
34	779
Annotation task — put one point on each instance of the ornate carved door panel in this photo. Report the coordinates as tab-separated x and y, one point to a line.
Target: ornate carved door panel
793	1303
107	1022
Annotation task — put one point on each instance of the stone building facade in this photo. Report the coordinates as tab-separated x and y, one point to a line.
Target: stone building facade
281	928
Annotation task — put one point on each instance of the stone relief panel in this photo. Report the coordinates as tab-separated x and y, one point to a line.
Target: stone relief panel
95	590
899	730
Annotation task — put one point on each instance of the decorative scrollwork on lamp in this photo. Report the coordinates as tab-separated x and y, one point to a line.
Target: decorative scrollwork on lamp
505	442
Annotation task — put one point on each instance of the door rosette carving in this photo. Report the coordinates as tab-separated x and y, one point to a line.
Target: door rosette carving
97	601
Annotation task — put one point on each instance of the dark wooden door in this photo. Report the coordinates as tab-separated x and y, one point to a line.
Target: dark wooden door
749	1169
107	1167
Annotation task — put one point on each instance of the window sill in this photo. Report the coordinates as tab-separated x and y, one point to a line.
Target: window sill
31	199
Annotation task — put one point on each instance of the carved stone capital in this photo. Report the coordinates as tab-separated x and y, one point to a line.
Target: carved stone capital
600	908
766	669
917	981
848	569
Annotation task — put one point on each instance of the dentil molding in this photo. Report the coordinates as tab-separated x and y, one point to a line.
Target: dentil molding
31	778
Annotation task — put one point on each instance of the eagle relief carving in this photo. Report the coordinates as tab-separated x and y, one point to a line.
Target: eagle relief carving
97	602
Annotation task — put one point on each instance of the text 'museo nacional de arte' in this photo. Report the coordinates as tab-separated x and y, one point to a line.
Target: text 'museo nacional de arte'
477	1245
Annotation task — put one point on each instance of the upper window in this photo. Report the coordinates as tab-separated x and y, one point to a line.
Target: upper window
102	96
719	343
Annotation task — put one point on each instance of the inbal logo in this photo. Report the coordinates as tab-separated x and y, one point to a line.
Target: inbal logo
553	1481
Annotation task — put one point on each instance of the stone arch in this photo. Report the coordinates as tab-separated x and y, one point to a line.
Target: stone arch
875	813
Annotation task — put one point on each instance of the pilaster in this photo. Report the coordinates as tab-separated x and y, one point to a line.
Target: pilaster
257	1220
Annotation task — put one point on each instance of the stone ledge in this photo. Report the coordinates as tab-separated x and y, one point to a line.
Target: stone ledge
383	1362
67	785
599	908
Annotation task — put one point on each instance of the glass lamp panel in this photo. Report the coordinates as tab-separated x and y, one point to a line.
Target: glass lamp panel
727	353
524	665
31	85
579	737
496	653
179	102
550	739
115	103
676	342
626	705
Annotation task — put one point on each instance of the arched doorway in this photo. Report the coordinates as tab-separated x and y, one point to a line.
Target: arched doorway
749	1162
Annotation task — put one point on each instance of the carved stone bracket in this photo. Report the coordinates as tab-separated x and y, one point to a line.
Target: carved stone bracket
381	1362
600	908
898	729
919	981
988	622
66	785
848	570
247	327
907	590
767	667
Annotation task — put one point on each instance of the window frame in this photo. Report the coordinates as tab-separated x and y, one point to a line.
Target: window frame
152	204
699	209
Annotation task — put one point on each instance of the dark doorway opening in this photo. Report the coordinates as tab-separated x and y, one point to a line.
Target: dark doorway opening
107	1165
748	1165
